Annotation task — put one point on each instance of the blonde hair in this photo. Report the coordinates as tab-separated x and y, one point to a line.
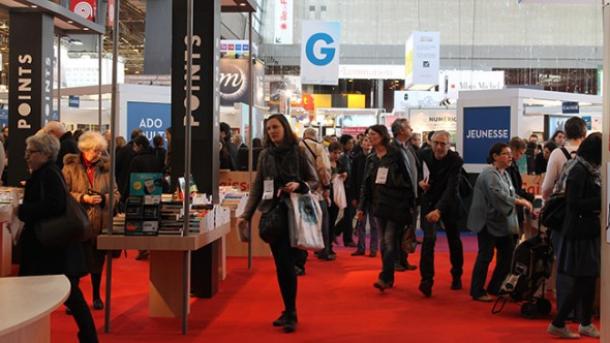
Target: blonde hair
92	140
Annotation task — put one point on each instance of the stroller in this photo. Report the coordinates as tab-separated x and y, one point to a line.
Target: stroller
531	267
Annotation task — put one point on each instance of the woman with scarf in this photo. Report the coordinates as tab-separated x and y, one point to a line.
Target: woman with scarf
283	168
388	192
88	179
578	251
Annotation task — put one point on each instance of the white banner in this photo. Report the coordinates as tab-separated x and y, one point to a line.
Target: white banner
453	81
403	100
422	60
320	52
284	21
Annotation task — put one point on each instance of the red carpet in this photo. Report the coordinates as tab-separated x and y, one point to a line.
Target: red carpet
336	303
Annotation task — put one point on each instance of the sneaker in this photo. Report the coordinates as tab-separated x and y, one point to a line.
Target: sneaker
589	330
456	284
486	298
563	332
358	253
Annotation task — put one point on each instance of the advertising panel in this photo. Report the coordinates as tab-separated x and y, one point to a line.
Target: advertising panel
320	53
284	21
451	82
151	118
427	120
483	127
403	100
422	59
233	81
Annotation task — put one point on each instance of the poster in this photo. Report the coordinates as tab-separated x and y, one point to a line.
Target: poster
422	60
151	118
483	127
320	53
284	20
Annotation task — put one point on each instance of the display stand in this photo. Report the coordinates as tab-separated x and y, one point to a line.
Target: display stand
6	250
25	314
166	254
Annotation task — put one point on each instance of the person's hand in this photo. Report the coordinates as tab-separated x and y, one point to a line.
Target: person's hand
434	216
242	226
343	176
290	187
360	214
92	199
528	205
423	184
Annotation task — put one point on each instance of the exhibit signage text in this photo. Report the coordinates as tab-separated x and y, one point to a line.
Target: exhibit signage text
484	127
320	52
24	91
195	79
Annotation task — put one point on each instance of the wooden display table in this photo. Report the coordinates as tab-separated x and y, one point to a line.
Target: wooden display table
6	250
27	303
169	260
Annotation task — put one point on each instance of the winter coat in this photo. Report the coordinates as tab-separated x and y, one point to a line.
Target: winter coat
45	197
78	184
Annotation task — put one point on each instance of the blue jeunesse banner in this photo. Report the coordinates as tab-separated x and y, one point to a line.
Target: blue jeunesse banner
483	127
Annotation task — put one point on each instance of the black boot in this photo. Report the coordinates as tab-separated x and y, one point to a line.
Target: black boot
281	321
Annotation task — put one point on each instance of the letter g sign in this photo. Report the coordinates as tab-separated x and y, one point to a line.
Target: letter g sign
328	53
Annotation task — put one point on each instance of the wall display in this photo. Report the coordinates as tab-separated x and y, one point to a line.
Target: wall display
30	83
320	52
151	118
284	21
422	60
433	120
234	86
451	82
205	98
483	127
403	100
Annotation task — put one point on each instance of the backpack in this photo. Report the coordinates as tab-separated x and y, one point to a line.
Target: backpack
553	212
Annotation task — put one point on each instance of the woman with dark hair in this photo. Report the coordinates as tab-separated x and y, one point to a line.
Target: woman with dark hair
559	138
542	159
228	151
578	251
493	216
283	168
387	191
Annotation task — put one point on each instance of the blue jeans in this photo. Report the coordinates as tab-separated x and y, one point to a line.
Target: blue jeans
387	230
361	233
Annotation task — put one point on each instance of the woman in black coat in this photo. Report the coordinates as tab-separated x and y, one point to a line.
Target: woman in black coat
578	251
387	190
45	197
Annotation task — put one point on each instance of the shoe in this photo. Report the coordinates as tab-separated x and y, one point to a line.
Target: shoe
290	325
484	298
399	267
456	284
358	253
382	285
300	271
589	330
563	332
373	254
283	318
350	244
411	267
426	288
326	257
98	304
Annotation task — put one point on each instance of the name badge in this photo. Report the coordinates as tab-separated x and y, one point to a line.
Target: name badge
268	190
382	176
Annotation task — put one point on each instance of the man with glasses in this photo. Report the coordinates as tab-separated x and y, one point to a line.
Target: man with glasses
441	170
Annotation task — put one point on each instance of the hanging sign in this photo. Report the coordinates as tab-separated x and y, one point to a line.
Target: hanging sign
422	60
284	21
320	53
84	8
484	127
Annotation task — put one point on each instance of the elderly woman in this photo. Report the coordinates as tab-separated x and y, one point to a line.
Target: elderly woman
88	178
493	216
45	197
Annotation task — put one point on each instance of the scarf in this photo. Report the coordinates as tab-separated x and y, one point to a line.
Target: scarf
594	171
285	163
89	169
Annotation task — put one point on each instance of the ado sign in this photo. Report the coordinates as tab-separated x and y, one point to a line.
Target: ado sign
320	53
484	127
151	118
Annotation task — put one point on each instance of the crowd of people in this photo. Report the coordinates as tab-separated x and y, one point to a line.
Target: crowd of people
390	184
388	181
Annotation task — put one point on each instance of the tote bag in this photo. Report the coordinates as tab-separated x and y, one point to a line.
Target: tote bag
305	222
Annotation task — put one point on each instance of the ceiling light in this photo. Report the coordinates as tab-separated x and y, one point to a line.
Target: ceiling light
70	22
85	29
243	4
33	6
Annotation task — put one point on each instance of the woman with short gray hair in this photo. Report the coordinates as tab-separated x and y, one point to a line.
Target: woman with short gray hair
45	197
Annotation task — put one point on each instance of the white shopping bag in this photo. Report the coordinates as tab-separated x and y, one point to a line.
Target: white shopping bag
339	197
305	222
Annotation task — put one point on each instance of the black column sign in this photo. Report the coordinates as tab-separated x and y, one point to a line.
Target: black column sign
30	83
205	100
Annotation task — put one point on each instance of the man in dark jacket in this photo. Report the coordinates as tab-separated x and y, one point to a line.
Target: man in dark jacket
401	129
517	146
347	141
67	144
441	170
123	160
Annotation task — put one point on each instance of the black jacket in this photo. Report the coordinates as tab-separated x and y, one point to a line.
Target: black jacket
515	177
358	171
443	181
583	205
67	145
142	162
393	200
45	197
123	159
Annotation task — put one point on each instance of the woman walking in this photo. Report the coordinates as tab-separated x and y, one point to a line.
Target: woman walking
578	251
88	178
283	168
45	197
493	216
387	191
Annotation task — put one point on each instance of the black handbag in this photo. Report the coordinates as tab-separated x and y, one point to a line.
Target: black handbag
71	226
553	213
274	222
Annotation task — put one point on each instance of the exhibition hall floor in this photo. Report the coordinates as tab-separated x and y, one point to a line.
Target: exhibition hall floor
336	302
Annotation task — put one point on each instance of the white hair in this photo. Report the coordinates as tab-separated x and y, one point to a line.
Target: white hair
46	143
54	127
441	133
92	140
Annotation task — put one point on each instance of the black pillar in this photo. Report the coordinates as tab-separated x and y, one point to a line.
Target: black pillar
205	102
157	57
31	38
